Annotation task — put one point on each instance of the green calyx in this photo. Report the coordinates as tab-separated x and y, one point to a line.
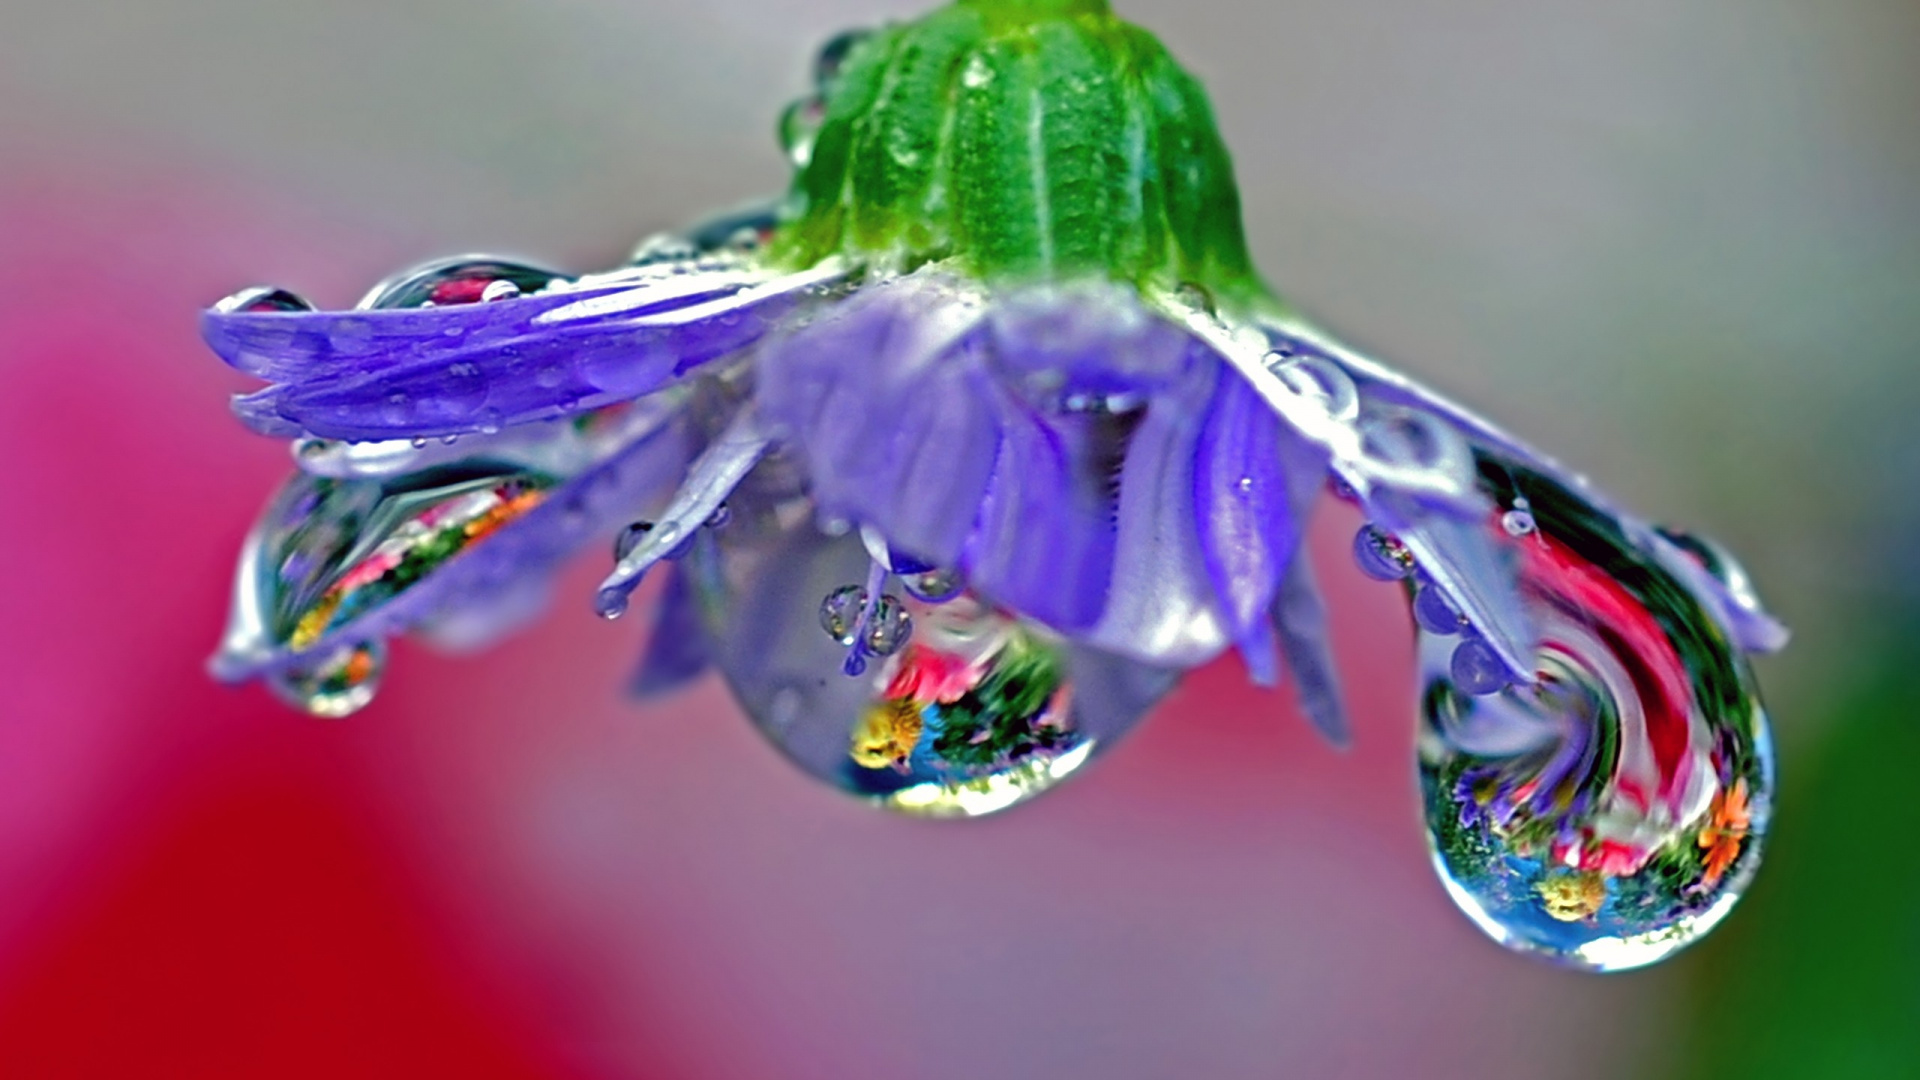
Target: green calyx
1020	140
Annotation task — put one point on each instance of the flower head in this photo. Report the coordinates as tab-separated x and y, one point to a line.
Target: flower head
994	398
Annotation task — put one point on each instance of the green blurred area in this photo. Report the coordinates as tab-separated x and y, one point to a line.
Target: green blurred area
1819	974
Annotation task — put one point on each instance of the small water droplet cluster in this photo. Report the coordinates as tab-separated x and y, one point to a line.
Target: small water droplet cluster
880	628
1381	556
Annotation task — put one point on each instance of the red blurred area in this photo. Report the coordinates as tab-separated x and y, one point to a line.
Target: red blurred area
258	929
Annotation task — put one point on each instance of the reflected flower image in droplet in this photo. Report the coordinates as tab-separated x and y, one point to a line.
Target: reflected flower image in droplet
957	455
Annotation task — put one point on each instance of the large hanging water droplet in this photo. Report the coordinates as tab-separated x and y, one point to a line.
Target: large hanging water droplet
338	684
1611	812
976	711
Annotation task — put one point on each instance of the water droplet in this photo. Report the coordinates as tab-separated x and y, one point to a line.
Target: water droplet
722	514
1435	613
490	421
611	603
1517	523
840	612
934	586
1476	669
832	58
500	289
1611	811
459	280
799	124
1381	557
889	627
549	376
332	550
976	711
339	684
398	408
462	391
1320	380
263	298
629	539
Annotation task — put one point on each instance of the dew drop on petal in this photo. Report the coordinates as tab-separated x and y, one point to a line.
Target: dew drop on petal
840	612
889	628
1381	557
934	586
1610	812
972	711
1517	523
1475	668
455	281
338	684
1435	613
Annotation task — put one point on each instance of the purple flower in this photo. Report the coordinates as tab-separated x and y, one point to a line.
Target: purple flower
1085	478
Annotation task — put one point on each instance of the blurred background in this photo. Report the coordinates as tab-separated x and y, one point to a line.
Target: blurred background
1677	242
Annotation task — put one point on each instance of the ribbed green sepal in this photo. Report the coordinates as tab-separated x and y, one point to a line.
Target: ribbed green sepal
1022	140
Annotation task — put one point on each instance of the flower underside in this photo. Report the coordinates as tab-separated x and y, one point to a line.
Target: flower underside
955	458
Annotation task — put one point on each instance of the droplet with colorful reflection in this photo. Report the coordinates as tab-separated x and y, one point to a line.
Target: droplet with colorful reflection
332	554
1611	812
339	683
977	711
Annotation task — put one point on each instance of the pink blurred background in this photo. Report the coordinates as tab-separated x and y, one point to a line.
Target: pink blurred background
1679	242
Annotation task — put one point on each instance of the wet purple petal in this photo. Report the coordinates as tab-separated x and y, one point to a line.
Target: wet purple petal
385	374
888	404
677	649
1254	480
1161	604
1300	620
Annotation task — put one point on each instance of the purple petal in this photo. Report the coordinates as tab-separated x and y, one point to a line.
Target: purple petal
887	403
1088	340
708	481
1254	480
677	649
1160	600
1045	536
385	374
1300	619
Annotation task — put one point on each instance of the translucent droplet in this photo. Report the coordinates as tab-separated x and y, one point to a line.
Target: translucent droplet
332	550
462	391
263	298
1435	613
1476	669
840	612
629	539
611	603
1381	557
339	684
1517	523
1610	812
397	409
459	280
889	627
832	58
977	711
934	586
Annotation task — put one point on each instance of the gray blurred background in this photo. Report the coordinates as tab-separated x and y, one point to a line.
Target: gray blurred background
1675	242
